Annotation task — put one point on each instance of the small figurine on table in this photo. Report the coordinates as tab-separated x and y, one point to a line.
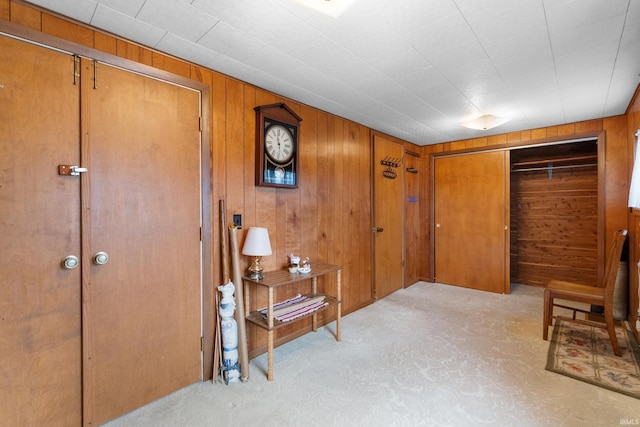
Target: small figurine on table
305	266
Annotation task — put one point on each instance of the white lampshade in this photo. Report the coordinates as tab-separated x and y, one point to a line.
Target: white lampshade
485	122
634	188
257	242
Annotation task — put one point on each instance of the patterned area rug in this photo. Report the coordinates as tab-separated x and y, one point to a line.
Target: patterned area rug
584	353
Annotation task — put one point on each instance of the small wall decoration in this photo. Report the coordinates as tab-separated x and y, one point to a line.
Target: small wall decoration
391	163
277	146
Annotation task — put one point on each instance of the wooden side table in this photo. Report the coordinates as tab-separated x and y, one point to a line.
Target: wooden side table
274	279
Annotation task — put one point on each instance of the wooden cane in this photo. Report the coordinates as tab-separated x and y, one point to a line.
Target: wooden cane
243	352
223	245
217	350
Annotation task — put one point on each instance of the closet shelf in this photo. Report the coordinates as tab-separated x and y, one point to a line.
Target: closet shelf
559	162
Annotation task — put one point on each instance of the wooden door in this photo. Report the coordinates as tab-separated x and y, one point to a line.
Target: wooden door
143	316
471	221
388	222
40	347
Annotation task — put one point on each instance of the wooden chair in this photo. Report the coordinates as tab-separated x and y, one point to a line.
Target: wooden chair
595	295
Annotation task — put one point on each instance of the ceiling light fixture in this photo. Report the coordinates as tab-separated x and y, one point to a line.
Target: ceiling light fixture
485	122
332	8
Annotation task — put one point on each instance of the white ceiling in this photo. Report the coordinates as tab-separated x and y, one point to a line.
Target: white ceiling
414	69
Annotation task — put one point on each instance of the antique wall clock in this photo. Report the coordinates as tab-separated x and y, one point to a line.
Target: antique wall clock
277	146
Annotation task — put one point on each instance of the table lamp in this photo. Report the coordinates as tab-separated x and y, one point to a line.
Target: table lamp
256	245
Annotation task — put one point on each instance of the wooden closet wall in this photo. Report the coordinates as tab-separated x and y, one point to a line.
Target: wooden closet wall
554	213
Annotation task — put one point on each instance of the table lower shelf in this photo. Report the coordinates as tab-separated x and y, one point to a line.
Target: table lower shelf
259	319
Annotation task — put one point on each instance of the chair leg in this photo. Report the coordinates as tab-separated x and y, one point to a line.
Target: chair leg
546	318
612	334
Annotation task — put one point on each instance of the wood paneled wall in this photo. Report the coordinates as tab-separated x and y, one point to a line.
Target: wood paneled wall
413	183
616	156
554	226
328	218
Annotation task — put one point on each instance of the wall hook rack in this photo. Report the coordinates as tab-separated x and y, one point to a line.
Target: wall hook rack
389	173
390	161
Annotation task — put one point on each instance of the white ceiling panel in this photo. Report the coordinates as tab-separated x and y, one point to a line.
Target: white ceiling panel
269	60
623	78
401	62
126	26
177	17
363	16
572	15
415	69
231	42
537	72
79	10
128	7
177	46
238	69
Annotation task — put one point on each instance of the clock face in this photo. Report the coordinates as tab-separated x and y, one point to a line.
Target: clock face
279	143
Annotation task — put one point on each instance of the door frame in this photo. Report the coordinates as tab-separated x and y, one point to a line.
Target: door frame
32	36
600	136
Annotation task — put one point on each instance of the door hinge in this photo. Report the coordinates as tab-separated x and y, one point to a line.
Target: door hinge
201	343
76	69
200	124
95	74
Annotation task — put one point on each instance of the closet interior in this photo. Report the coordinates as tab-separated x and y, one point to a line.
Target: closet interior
554	213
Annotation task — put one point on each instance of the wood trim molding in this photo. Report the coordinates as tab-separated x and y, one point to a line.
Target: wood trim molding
525	144
33	36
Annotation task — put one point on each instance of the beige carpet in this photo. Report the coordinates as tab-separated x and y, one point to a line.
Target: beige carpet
430	355
585	353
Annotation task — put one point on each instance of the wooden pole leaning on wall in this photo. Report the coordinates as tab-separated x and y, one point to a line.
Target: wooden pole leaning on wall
223	245
217	349
243	351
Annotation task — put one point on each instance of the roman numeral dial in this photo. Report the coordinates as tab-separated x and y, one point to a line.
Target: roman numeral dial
279	143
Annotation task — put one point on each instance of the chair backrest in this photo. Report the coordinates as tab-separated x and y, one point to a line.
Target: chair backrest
613	264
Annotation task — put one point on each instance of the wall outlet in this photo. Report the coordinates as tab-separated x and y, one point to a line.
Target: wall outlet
237	220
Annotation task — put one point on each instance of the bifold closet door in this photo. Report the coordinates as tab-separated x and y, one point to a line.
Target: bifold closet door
142	307
40	335
471	221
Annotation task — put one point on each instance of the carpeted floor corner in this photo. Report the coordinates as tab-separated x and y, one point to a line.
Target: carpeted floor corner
584	353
